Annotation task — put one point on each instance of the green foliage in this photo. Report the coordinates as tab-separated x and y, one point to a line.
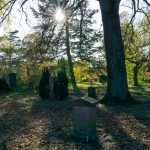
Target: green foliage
85	72
10	59
81	70
137	54
86	40
130	74
44	84
61	85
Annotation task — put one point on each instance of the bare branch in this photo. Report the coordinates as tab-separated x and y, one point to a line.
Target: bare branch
5	5
8	10
147	2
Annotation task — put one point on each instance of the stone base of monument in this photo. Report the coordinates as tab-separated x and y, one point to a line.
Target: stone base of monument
84	121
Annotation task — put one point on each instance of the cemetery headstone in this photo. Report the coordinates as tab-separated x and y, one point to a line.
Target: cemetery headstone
84	120
92	92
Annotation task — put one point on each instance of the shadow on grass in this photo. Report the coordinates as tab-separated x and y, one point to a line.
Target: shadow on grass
16	94
112	134
140	113
32	123
118	133
141	93
13	120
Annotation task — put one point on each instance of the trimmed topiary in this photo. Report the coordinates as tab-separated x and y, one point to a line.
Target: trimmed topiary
12	80
61	85
4	87
44	84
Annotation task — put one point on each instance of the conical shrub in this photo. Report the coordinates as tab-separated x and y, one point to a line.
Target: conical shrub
4	87
12	80
44	84
61	85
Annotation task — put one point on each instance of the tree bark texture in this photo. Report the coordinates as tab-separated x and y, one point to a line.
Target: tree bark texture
135	75
117	86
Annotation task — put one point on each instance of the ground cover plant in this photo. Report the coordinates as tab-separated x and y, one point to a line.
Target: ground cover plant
27	122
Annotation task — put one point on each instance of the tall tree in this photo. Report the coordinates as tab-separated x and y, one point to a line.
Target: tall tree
86	41
47	16
136	52
70	63
117	86
136	43
9	48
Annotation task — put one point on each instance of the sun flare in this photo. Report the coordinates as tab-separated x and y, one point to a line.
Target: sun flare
59	15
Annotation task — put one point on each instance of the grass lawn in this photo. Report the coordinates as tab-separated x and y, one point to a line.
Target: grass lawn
28	123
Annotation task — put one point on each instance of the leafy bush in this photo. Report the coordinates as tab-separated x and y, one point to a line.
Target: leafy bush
44	84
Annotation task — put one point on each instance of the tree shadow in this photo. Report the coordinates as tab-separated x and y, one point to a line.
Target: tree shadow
140	93
140	111
47	124
120	132
59	133
111	132
12	122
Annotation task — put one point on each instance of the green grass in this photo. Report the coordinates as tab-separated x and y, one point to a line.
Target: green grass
17	93
140	93
85	85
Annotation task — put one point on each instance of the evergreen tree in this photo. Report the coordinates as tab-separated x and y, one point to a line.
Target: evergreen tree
4	87
87	41
61	85
44	84
12	80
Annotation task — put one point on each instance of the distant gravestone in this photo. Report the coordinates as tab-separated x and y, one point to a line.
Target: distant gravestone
84	120
92	92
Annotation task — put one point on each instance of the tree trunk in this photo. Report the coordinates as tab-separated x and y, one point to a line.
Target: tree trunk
135	75
117	86
72	77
